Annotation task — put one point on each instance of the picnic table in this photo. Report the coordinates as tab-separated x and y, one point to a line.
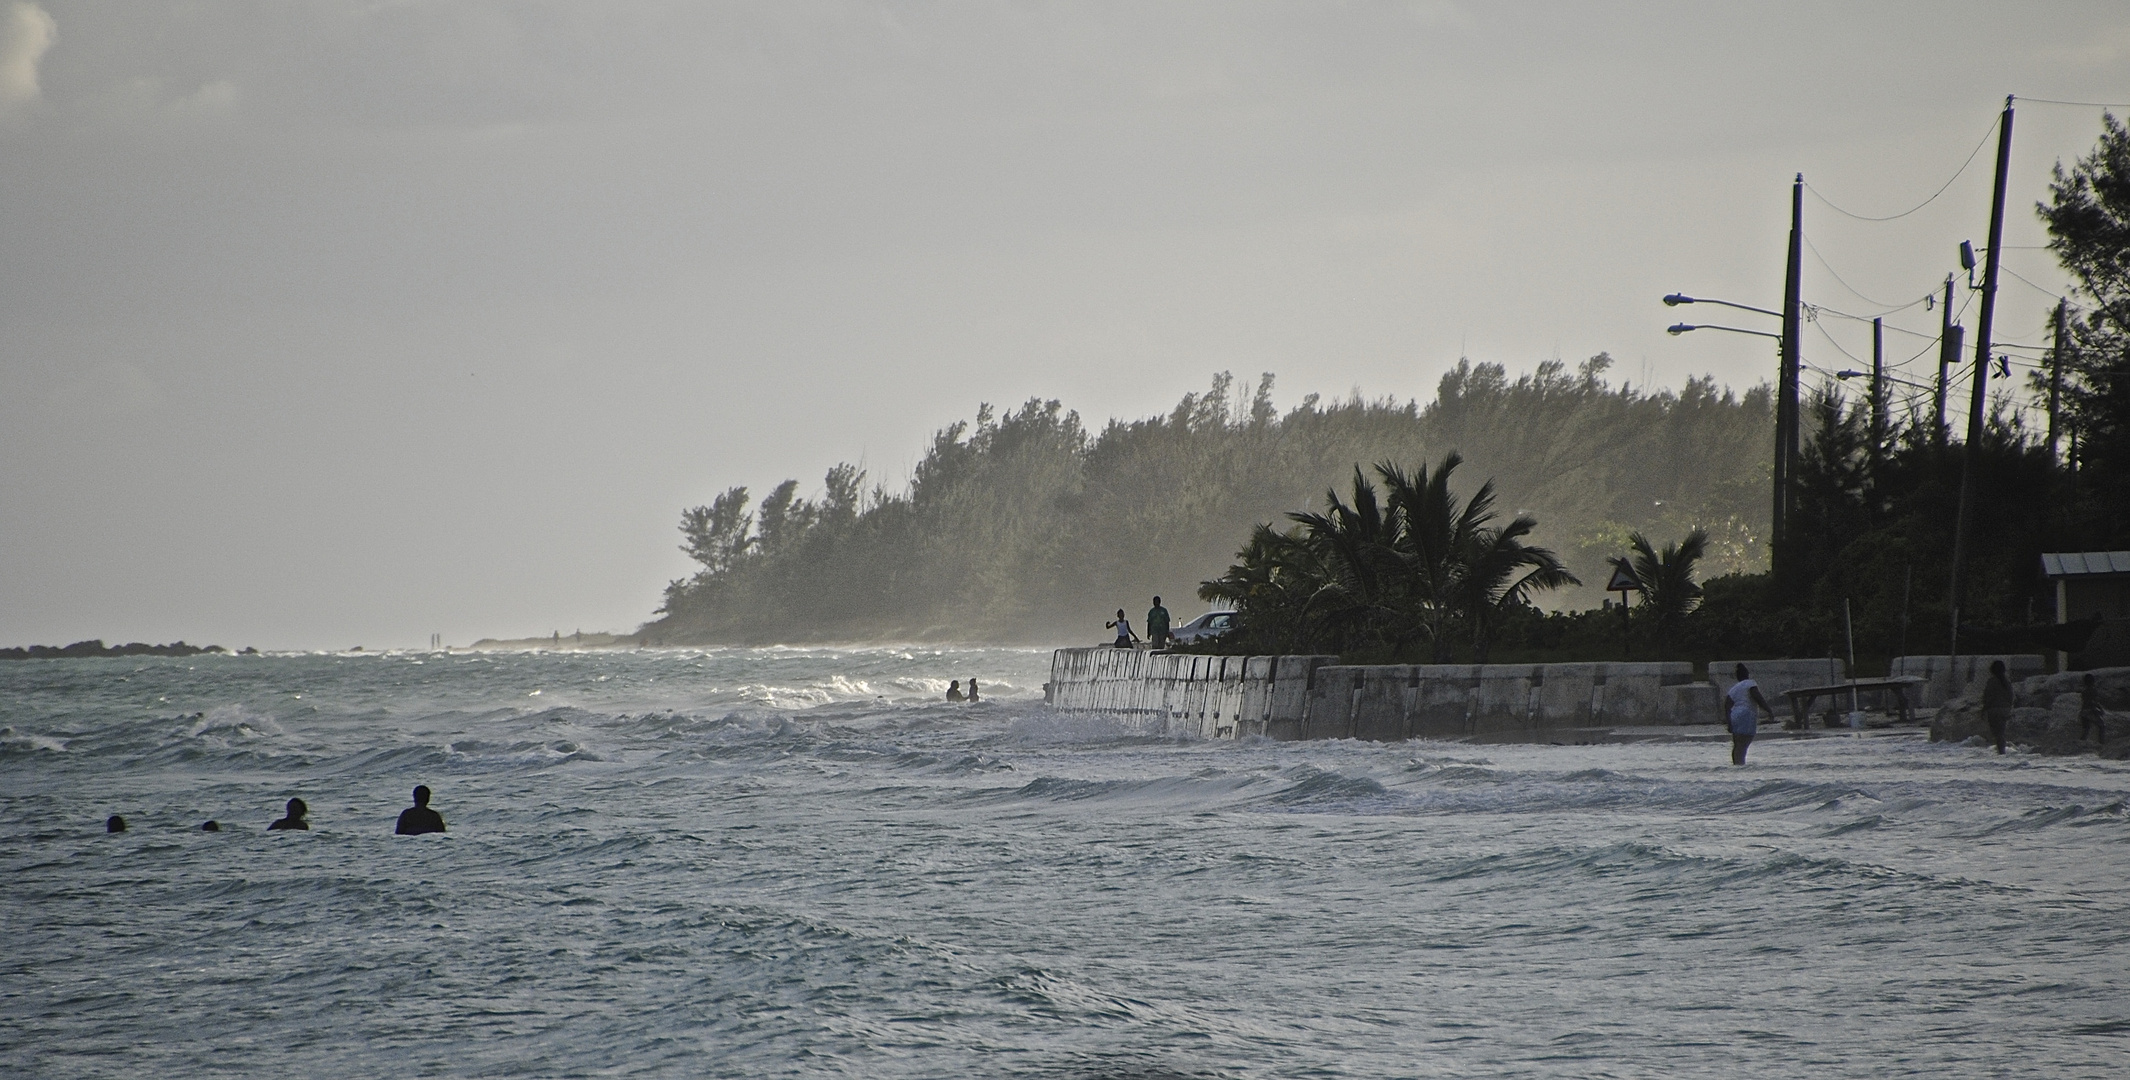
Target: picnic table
1801	699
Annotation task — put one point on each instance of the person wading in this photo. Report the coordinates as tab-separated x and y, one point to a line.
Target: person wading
1746	707
298	818
1997	702
418	819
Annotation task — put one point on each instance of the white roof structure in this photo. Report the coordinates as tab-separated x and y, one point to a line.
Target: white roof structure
2084	563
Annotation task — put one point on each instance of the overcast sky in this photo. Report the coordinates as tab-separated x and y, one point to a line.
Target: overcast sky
325	324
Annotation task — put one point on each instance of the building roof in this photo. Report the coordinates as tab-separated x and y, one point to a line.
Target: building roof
2081	563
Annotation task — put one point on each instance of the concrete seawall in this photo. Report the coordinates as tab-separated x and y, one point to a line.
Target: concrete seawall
1315	697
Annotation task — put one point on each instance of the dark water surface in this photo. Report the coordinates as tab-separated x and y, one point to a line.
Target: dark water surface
792	862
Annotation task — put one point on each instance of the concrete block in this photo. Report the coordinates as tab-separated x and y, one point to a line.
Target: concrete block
1331	701
1566	693
1379	712
1506	699
1635	693
1691	703
1442	700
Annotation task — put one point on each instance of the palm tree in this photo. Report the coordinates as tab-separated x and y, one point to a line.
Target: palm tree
1465	569
1668	589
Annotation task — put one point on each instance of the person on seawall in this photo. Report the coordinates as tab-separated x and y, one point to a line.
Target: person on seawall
1125	637
954	690
1745	709
298	818
973	699
418	819
1997	702
1157	625
2089	714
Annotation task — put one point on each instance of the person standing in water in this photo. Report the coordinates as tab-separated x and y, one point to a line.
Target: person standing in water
1745	709
1157	625
2089	715
418	819
954	690
298	818
1997	702
973	699
1125	637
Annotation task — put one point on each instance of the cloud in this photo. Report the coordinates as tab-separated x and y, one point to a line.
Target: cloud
25	34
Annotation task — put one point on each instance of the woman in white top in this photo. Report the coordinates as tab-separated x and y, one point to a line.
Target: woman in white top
1744	697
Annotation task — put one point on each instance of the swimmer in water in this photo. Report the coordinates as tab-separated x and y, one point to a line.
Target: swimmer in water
972	691
418	819
297	818
954	690
114	823
211	826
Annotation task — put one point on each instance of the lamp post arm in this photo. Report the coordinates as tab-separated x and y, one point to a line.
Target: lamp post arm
1680	328
1676	299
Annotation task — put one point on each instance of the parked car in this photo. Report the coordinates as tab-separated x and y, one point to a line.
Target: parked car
1212	624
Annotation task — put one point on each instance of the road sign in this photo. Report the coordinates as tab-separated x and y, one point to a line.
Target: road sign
1623	579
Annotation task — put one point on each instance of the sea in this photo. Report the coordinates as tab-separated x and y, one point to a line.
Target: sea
802	862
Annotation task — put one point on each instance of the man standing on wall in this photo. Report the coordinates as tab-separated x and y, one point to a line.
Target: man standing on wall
1157	625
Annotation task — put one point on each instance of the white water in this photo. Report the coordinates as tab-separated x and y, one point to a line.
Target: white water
797	863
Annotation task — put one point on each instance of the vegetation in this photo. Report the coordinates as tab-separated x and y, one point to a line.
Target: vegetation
1026	527
1382	574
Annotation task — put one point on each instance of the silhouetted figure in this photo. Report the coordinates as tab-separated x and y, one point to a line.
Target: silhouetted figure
1157	624
210	825
954	690
418	819
1125	637
1997	702
2089	714
973	699
1745	710
114	823
297	818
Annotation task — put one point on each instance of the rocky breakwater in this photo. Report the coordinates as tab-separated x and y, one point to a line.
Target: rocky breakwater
2045	714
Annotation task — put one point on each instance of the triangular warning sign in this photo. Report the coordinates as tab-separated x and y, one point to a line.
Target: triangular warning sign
1623	578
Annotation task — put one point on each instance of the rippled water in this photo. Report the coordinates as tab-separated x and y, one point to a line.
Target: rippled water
797	863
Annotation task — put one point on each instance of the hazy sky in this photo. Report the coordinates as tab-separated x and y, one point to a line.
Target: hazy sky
325	324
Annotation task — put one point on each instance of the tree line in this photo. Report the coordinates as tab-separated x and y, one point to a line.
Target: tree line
1023	526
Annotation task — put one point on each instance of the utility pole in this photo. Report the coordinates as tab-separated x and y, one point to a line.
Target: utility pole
1980	399
1878	396
1948	353
2055	379
1786	385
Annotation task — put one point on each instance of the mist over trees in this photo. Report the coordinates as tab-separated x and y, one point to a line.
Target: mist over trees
1023	526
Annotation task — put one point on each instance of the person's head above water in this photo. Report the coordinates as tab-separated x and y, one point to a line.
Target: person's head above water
421	794
298	808
114	823
210	826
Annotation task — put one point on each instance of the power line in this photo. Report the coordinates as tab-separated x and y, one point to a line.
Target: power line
1890	308
2085	104
1926	202
2037	288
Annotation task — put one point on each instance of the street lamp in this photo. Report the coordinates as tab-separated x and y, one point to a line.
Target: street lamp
1675	299
1676	329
